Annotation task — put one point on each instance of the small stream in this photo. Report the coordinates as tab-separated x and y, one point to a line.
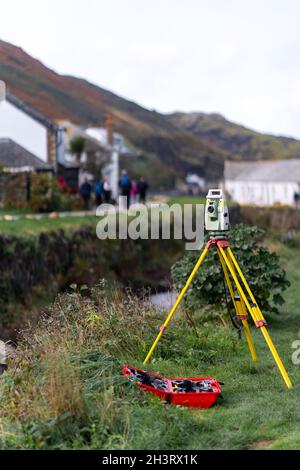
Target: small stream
164	299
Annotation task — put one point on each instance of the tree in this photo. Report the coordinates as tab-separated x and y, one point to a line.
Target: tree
77	147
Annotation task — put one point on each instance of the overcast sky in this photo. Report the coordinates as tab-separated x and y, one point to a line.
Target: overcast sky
239	58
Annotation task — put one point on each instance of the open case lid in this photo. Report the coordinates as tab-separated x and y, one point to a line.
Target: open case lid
192	392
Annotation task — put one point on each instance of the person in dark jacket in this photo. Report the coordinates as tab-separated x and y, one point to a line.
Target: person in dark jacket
142	190
85	191
98	188
125	186
106	191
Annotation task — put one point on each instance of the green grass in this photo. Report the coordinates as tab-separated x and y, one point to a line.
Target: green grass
186	200
27	226
13	211
191	200
66	390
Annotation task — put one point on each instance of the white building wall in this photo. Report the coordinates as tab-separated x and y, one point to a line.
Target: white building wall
25	131
262	193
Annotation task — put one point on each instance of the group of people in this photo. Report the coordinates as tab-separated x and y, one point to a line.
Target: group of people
102	190
134	191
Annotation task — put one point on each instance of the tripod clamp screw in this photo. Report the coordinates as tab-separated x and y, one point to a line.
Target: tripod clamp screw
261	323
243	317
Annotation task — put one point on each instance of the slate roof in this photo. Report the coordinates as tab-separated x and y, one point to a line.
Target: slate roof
273	171
36	115
12	155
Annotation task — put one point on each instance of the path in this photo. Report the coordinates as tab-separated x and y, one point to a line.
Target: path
60	215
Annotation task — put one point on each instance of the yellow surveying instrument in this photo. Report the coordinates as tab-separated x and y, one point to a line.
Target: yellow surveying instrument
217	223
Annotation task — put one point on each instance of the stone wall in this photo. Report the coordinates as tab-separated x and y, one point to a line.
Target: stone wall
14	190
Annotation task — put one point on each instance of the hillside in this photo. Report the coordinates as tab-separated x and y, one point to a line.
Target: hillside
66	97
169	145
238	141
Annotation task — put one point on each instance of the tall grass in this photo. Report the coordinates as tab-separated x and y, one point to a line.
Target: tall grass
65	383
64	388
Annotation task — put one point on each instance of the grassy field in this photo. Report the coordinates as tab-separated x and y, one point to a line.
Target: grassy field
64	388
27	226
191	200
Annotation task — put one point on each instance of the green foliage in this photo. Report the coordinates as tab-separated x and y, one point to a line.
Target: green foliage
74	357
77	146
157	174
237	141
64	388
44	193
10	198
46	196
69	202
261	268
52	260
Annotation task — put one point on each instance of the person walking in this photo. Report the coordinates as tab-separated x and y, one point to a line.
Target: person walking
85	191
297	199
106	191
125	187
142	190
133	192
98	188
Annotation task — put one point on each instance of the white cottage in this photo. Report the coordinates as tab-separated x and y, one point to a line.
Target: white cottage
263	183
31	130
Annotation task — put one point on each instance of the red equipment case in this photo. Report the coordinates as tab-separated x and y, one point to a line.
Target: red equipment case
193	392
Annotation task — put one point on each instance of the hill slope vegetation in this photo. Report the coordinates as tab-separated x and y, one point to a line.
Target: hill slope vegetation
66	97
171	145
236	140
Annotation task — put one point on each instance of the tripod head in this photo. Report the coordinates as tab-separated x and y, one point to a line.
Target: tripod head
216	212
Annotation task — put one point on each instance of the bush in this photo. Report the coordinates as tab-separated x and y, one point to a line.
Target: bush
46	196
70	202
260	267
44	193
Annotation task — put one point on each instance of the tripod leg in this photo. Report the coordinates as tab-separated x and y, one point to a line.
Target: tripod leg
242	314
178	302
236	265
255	313
240	310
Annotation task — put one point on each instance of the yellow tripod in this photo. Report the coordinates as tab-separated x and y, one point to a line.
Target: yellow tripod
244	301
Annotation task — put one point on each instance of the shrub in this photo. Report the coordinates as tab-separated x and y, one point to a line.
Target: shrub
46	196
44	193
261	268
70	202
